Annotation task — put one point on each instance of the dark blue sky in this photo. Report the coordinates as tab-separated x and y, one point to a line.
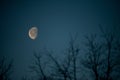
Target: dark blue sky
55	19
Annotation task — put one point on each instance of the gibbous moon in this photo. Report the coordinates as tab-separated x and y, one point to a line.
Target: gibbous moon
33	32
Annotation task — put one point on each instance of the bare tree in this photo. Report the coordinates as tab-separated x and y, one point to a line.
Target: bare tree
102	56
74	51
93	59
5	69
38	67
68	68
61	69
110	40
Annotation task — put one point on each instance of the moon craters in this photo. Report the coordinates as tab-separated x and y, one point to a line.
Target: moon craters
33	32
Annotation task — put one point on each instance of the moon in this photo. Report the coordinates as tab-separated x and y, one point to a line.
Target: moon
33	32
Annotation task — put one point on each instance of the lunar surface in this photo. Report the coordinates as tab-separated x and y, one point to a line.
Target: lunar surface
33	32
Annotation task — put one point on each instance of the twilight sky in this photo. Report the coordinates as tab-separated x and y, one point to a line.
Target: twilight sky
55	19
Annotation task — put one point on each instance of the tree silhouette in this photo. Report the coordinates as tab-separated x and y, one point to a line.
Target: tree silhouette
67	68
60	69
102	56
110	42
74	51
102	59
38	67
93	59
5	69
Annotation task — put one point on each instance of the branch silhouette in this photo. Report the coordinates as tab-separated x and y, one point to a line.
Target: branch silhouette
5	69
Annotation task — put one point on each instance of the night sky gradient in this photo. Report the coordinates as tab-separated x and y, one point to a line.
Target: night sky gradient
55	20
